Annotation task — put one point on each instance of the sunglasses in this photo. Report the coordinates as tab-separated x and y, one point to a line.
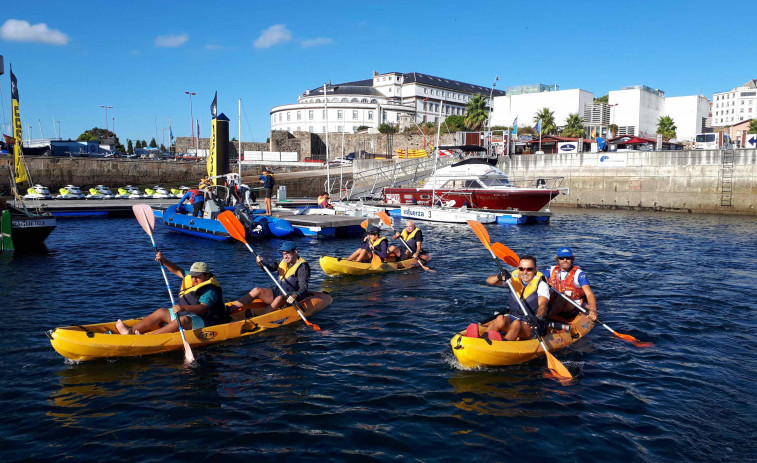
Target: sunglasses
526	269
565	258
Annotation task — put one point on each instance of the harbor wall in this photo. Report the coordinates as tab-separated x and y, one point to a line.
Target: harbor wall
683	181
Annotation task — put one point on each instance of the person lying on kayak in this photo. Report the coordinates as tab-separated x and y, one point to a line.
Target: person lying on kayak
200	303
372	243
570	280
294	277
532	290
413	237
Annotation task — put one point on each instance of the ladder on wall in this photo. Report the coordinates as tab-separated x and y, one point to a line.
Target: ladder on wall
726	178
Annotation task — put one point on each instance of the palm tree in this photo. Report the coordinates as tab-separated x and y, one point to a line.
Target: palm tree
547	119
574	126
476	112
666	127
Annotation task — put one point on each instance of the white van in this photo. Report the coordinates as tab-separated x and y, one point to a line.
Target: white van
712	141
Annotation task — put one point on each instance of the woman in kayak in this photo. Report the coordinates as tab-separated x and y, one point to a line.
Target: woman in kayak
373	243
200	303
294	278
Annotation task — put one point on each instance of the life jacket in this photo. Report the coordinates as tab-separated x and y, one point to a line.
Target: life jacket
217	313
269	181
409	238
288	275
194	193
568	285
526	294
323	201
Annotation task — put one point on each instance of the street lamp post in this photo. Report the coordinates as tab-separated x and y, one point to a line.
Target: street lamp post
106	118
58	128
425	106
191	117
164	138
30	132
489	118
113	129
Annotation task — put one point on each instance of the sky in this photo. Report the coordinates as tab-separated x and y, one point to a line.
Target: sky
140	58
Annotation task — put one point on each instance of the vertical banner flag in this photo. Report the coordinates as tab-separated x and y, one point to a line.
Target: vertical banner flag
20	171
609	132
214	106
538	127
170	132
515	126
594	132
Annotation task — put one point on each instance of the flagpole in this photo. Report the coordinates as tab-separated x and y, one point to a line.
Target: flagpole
239	150
328	169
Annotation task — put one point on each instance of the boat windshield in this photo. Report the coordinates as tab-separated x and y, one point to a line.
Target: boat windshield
495	182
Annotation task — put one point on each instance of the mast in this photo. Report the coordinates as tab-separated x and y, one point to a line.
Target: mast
436	149
328	168
239	150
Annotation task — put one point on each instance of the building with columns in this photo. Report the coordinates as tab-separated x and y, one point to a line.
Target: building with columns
395	98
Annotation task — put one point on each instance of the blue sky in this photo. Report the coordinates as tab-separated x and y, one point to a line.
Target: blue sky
72	57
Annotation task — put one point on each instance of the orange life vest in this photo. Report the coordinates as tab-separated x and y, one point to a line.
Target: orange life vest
568	285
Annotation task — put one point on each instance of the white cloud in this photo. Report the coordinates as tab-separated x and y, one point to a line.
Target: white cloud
316	42
22	31
171	41
278	33
213	46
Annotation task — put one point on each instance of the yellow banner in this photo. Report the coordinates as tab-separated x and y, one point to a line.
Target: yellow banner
212	154
19	164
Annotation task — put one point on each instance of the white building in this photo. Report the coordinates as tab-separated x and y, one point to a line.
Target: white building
689	113
734	106
525	105
392	98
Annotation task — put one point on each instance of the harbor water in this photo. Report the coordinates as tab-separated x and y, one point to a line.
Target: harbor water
379	382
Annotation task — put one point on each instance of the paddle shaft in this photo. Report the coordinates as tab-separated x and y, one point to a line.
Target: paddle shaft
582	309
170	294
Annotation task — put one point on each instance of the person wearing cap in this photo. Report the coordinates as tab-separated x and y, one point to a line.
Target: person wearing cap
294	278
373	243
200	303
569	279
196	198
268	182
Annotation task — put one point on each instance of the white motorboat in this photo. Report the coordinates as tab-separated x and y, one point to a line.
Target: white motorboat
126	193
38	192
162	193
446	214
104	191
70	192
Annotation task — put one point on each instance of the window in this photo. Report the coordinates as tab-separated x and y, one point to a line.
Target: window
373	101
338	128
425	90
289	116
310	115
354	100
299	116
299	128
364	100
345	100
323	114
280	117
339	115
354	128
370	114
354	115
318	100
324	129
310	129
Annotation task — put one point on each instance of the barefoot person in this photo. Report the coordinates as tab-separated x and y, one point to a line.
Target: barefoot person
294	278
413	236
268	183
373	243
200	303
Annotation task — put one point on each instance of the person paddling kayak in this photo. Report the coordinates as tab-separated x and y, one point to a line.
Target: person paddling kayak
373	243
294	277
200	303
571	281
413	236
532	290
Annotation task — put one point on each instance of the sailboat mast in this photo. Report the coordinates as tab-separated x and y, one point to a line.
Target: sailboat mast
328	169
436	154
239	150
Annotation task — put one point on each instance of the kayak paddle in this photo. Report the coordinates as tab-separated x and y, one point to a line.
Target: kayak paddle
146	219
388	221
552	363
506	254
236	230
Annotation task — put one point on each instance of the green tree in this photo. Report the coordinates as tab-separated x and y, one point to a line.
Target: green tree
753	126
614	129
129	147
574	126
162	148
386	128
453	123
362	128
97	134
153	143
476	112
547	119
666	127
602	99
120	148
87	136
527	130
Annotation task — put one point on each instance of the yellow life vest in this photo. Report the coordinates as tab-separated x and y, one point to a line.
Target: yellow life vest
287	272
186	284
377	242
406	236
523	293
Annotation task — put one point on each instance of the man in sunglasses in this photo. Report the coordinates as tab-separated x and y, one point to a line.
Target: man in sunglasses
533	292
570	280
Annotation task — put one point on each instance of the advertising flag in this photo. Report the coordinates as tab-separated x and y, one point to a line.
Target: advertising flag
594	132
20	171
515	126
214	106
538	127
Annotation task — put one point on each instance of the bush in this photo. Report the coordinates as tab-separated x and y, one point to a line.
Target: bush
386	128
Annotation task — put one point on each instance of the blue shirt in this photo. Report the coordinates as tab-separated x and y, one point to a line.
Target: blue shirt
198	198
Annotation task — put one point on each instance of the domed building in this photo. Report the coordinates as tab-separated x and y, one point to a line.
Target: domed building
393	98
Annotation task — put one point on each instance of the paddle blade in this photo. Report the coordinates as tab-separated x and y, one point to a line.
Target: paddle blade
557	367
145	217
188	355
480	231
365	223
634	341
384	218
232	225
375	261
505	254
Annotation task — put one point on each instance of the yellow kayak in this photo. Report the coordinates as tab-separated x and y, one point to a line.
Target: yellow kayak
341	266
90	342
475	352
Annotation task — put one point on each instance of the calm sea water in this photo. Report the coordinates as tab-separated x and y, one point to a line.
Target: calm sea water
380	382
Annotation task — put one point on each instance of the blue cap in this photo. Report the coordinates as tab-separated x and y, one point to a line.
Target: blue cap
372	229
287	246
564	252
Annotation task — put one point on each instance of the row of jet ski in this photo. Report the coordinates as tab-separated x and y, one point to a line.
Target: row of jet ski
103	192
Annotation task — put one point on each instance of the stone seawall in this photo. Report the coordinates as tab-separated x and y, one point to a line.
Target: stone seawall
685	181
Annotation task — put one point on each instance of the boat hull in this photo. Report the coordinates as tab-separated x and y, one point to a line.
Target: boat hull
92	342
446	215
194	226
339	266
479	352
30	231
522	199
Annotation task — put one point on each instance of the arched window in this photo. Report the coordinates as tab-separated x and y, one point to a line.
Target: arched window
364	100
345	100
318	100
354	100
374	101
335	100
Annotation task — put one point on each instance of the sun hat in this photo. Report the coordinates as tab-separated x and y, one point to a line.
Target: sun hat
564	252
287	246
198	268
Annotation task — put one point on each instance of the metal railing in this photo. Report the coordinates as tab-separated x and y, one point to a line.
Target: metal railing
370	182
